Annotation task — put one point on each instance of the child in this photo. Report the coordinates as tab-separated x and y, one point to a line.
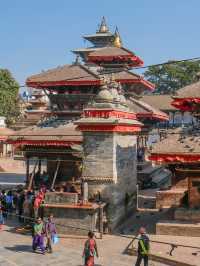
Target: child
38	235
90	250
50	230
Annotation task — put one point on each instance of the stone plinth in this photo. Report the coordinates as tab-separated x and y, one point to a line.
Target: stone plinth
189	215
73	219
169	198
178	228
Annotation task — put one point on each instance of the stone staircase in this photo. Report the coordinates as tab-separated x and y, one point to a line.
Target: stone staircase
150	176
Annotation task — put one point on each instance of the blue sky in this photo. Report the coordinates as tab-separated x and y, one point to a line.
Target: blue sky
37	35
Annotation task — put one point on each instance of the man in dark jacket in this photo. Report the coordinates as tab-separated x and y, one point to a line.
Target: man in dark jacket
143	248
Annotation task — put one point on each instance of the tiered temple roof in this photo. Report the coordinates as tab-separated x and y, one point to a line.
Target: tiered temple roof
72	87
103	36
161	102
113	54
52	132
179	146
107	48
188	98
146	111
80	75
67	75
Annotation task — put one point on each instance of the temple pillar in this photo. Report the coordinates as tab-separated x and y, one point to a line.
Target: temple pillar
110	155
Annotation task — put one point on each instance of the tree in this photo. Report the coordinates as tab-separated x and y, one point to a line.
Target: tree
170	77
9	105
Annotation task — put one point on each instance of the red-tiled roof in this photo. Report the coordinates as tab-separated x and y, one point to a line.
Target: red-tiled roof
190	91
70	75
73	75
161	102
179	146
53	133
144	110
128	77
111	53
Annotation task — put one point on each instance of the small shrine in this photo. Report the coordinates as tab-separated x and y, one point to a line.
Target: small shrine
37	106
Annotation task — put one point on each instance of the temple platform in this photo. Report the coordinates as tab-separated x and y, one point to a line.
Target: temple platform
169	198
188	215
178	228
71	217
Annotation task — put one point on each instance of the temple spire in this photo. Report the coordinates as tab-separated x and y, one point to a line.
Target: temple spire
103	26
117	40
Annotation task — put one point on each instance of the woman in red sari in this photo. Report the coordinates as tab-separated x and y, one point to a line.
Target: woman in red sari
90	250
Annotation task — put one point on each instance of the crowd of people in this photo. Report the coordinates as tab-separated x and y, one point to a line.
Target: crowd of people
26	206
21	203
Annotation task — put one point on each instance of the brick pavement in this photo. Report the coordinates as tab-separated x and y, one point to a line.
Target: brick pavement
149	220
15	250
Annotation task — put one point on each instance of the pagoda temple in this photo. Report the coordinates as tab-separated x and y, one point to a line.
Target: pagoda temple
180	151
37	106
93	120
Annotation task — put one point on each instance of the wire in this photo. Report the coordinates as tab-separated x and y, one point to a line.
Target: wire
170	62
142	67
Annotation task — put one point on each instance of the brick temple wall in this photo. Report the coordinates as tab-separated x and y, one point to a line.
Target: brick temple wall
189	215
182	183
114	156
169	198
73	221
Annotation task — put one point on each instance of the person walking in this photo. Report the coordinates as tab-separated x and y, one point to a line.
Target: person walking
26	210
50	232
143	248
20	206
38	236
1	218
9	202
90	250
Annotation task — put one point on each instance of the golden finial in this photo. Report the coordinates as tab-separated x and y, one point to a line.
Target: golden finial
103	26
117	40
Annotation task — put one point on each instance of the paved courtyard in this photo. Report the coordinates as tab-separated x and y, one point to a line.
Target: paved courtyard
15	250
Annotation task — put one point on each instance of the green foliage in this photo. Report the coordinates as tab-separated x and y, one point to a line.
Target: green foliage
9	88
170	77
